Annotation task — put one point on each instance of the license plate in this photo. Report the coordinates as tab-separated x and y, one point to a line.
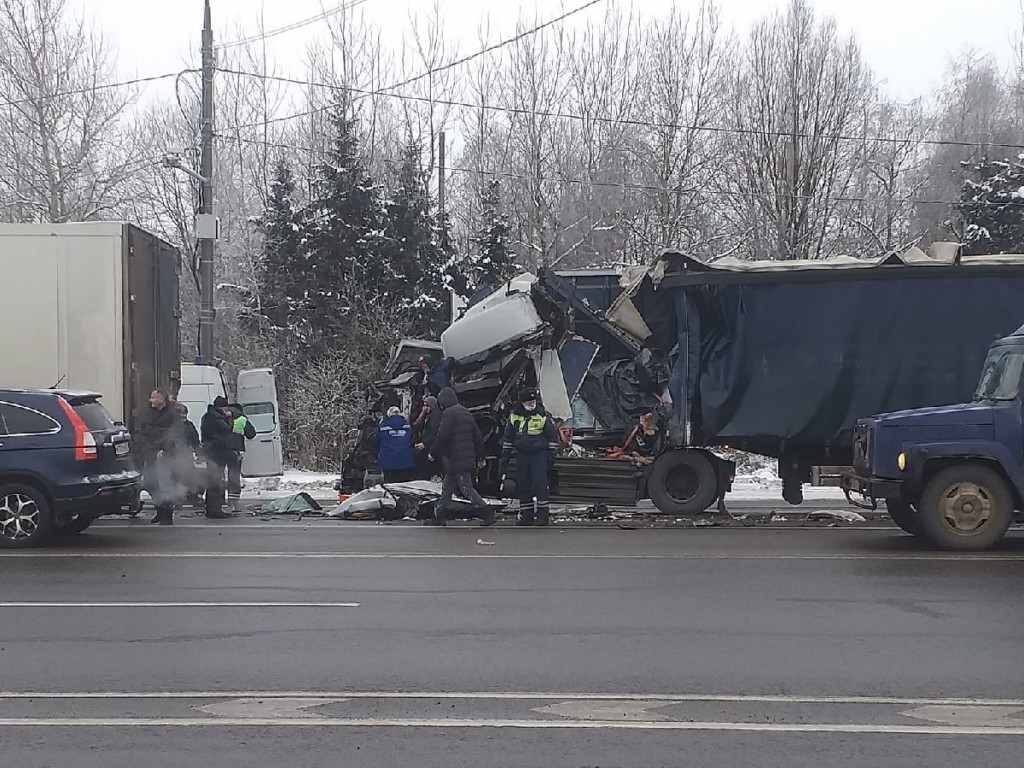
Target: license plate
121	449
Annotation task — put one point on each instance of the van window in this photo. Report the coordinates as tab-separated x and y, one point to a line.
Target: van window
262	415
18	420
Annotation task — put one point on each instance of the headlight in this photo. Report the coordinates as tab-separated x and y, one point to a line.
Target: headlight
901	461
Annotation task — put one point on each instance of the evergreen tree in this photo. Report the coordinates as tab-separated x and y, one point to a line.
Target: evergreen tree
495	262
418	250
270	306
344	256
992	207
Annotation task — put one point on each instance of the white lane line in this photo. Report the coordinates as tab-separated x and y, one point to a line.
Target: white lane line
176	605
518	696
498	556
855	728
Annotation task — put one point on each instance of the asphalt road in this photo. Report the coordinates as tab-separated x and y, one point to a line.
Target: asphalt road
251	643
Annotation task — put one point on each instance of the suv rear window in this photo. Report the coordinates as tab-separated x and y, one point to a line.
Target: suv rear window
19	420
95	416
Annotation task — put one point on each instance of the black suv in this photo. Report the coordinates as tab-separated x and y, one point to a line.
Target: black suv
63	463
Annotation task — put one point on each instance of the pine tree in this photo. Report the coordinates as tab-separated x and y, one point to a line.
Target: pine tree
495	262
992	207
344	256
418	250
270	306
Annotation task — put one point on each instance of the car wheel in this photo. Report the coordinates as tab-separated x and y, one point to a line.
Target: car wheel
905	516
683	482
967	507
26	519
76	524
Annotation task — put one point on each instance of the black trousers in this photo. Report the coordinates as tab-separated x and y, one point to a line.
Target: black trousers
235	476
461	483
532	481
215	485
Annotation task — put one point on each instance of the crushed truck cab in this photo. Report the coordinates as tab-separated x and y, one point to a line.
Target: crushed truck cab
952	474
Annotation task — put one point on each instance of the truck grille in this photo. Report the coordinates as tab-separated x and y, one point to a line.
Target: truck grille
862	447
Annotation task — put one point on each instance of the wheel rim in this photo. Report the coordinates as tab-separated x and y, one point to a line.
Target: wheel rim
682	483
965	508
19	516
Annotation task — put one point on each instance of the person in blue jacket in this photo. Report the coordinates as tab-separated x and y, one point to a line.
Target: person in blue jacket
395	455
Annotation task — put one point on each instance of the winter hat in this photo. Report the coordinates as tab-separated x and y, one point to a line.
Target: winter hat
393	411
220	402
430	401
528	395
447	398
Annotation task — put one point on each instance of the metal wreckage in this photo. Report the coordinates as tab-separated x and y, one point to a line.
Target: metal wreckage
657	374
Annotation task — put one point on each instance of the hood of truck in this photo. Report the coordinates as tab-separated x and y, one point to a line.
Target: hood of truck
964	415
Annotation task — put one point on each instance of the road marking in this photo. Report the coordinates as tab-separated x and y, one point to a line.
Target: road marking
304	722
520	696
263	708
974	715
498	556
606	710
178	605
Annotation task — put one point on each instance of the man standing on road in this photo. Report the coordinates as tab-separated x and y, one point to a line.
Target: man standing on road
155	440
532	435
459	446
241	430
427	425
191	449
216	432
395	457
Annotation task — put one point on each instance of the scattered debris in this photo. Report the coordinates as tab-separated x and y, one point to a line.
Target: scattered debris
777	518
483	543
300	504
845	515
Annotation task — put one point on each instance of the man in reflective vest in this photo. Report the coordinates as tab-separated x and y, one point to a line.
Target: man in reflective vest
532	435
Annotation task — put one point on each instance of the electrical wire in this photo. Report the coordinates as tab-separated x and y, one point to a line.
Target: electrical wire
630	122
641	187
429	73
322	16
94	88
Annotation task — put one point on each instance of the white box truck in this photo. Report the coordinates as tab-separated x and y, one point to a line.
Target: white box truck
89	306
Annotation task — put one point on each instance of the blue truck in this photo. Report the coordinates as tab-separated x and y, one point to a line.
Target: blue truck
953	474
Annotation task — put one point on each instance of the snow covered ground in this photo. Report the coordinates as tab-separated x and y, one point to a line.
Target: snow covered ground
756	481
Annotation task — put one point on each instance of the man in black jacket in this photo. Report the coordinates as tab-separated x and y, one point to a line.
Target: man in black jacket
459	446
216	432
427	424
156	444
531	433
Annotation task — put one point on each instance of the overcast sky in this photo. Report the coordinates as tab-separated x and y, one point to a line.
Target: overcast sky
907	42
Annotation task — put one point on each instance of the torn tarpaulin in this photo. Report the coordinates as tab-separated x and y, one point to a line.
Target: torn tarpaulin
621	391
396	501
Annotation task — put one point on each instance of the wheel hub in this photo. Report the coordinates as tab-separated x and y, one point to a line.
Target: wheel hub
682	483
966	507
19	516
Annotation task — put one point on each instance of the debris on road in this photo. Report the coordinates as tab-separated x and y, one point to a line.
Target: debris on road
845	515
483	543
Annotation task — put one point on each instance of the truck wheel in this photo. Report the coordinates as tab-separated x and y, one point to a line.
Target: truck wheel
905	516
683	482
966	507
26	519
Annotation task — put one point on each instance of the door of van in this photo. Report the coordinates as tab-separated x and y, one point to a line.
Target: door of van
257	394
200	386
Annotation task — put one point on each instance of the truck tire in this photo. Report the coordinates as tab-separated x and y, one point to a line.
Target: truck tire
905	516
683	482
26	519
967	507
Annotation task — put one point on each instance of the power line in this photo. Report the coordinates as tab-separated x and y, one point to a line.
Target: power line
94	88
429	73
322	16
635	186
630	122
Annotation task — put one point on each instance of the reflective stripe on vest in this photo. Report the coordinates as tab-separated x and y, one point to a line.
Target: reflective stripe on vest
531	425
239	425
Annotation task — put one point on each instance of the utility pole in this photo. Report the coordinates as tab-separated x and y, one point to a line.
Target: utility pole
440	173
206	222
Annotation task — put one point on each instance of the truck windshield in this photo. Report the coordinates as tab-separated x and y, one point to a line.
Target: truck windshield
1000	378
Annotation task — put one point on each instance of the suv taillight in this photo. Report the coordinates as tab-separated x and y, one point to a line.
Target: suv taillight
85	441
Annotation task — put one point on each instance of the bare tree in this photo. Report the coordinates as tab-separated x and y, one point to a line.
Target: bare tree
65	151
798	92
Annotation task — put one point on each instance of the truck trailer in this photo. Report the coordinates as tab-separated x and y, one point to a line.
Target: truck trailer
90	306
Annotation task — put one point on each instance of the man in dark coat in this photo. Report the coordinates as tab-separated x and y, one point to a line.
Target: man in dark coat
532	435
155	444
459	446
191	449
427	425
218	448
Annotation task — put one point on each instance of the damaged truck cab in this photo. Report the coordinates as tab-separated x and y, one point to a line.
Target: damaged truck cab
951	474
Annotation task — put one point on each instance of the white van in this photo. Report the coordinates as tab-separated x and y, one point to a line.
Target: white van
257	394
200	386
